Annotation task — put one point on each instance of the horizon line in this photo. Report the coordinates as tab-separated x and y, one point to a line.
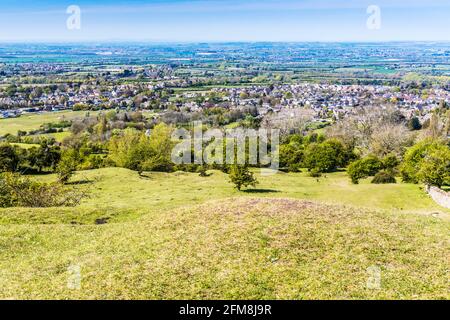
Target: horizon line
143	41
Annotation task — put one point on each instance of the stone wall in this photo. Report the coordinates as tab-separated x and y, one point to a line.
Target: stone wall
439	196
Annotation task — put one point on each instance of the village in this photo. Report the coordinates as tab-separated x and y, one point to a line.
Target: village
327	101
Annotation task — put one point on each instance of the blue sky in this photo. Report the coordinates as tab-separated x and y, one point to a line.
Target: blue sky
225	20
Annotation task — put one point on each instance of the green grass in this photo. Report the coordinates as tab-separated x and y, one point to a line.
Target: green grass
59	136
34	121
25	145
180	236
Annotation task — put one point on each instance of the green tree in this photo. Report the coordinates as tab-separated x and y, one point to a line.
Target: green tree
291	156
9	159
435	167
363	168
67	165
241	176
326	156
137	151
391	162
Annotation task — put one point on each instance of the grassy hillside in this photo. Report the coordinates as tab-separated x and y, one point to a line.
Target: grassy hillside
177	236
120	195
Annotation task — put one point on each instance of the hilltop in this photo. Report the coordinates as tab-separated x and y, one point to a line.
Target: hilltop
158	237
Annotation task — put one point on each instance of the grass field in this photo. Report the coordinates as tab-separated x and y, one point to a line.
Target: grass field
34	121
180	236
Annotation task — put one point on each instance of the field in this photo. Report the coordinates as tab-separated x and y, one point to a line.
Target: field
34	121
180	236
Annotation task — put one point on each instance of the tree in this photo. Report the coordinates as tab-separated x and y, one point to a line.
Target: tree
435	128
46	156
67	165
241	176
390	138
291	156
364	168
9	160
326	156
427	162
435	167
126	150
135	150
390	162
161	146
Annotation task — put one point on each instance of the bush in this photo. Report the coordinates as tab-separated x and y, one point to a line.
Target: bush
435	167
291	156
414	124
202	171
326	156
412	160
315	173
427	162
240	176
384	177
390	162
364	168
136	151
20	191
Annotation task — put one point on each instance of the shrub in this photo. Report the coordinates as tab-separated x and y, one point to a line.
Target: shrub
427	162
202	171
414	124
291	156
315	173
390	162
136	151
384	177
326	156
412	160
435	167
241	176
364	168
20	191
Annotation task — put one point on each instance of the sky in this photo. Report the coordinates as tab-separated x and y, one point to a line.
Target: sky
225	20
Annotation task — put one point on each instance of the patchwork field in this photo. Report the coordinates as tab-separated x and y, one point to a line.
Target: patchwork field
180	236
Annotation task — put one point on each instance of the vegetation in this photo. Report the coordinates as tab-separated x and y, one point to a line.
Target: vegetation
363	168
284	233
282	243
384	177
427	162
20	191
241	176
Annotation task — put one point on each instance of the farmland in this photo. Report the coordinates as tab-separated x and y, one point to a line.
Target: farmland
34	121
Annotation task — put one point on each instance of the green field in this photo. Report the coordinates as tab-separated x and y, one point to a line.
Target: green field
34	121
180	236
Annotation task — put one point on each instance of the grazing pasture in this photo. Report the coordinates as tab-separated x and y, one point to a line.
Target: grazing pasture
31	122
181	236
